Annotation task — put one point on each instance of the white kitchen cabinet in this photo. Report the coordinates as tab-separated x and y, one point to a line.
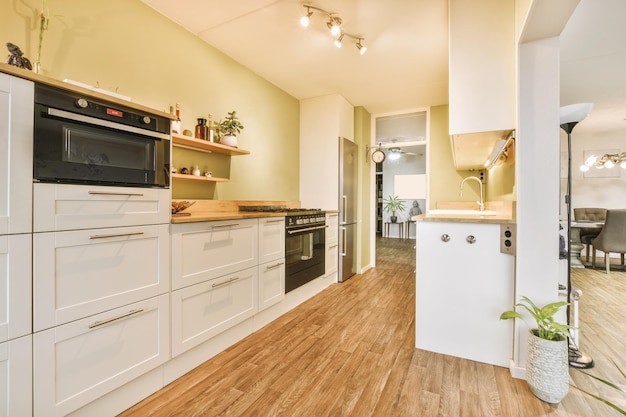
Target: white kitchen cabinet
71	207
78	362
332	243
461	289
482	66
16	366
271	283
204	310
16	154
15	286
271	239
83	272
207	250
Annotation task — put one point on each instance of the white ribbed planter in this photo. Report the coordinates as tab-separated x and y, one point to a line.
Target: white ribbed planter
230	140
547	368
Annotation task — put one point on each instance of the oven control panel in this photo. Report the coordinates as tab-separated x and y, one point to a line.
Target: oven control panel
305	219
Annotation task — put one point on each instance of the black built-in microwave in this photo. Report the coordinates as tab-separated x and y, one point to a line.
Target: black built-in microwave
82	140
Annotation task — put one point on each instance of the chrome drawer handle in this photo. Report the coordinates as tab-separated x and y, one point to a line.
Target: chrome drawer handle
445	237
275	221
111	193
112	319
115	235
274	266
221	226
470	239
218	284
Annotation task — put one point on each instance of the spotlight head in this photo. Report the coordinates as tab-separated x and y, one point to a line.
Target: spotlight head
304	20
362	49
338	41
334	24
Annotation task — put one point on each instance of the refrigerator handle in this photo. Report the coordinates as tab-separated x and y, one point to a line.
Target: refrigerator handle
344	206
344	247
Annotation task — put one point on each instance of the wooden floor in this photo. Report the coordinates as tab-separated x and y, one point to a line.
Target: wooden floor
349	352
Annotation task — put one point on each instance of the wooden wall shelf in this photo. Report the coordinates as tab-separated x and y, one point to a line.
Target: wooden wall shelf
206	146
188	177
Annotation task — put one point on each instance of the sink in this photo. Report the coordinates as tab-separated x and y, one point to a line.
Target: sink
462	212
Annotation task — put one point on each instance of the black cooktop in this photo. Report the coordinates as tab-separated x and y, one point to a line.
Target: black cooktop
279	209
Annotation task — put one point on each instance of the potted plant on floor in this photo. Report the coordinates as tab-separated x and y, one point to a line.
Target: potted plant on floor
231	127
547	365
393	204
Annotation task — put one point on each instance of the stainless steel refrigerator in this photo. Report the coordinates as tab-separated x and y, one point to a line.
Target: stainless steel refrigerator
348	185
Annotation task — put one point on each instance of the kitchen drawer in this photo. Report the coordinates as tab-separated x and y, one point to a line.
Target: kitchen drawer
84	272
204	310
206	250
271	239
332	258
332	228
271	283
16	366
15	286
16	154
71	207
79	362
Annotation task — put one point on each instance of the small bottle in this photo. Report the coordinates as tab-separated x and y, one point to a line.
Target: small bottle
196	171
211	137
176	124
202	131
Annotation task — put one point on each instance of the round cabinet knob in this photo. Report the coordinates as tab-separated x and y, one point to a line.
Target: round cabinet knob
445	237
470	239
146	120
82	103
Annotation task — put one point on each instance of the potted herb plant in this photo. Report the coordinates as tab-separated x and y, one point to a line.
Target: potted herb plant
547	364
393	204
231	127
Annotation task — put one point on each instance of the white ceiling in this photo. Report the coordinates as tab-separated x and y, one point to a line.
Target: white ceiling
406	64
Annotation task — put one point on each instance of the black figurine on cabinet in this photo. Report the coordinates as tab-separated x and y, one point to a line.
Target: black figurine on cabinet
17	58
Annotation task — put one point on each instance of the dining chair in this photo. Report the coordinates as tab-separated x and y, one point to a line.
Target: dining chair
612	238
588	234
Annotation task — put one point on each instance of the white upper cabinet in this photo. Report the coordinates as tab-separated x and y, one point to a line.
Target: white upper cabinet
481	77
16	154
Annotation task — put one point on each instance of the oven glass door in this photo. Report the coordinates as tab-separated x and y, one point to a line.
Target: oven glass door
74	152
304	257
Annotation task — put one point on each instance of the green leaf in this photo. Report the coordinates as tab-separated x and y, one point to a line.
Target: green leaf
610	404
510	315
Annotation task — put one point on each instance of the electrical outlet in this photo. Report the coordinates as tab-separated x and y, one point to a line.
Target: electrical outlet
483	176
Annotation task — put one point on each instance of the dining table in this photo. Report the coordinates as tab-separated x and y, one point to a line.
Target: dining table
576	246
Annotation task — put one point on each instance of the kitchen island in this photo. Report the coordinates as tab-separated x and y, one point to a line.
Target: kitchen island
463	282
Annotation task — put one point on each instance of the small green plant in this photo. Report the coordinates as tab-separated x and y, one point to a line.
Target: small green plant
231	125
393	204
620	388
547	328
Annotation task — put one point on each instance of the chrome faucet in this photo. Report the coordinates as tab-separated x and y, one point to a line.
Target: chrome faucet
481	203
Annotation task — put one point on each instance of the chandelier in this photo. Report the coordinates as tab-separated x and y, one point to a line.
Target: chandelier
608	160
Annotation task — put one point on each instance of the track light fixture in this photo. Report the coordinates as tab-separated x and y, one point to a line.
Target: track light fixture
334	24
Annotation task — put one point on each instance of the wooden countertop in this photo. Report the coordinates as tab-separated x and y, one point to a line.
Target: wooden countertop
212	210
505	212
43	79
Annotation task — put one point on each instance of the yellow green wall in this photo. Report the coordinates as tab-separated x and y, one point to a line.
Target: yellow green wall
362	137
124	45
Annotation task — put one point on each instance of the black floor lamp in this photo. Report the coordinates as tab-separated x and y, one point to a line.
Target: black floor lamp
570	116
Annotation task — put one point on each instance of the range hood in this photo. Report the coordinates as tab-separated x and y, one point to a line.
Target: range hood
471	150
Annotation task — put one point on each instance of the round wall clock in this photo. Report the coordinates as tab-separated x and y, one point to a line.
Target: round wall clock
378	156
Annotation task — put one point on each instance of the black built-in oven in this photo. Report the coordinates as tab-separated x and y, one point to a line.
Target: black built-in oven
82	140
305	249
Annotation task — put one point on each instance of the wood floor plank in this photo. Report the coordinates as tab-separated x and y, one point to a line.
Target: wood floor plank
349	352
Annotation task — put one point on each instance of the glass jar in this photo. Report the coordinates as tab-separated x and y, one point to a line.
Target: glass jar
202	130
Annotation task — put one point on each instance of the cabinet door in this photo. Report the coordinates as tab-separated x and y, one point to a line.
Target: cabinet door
15	286
81	361
71	207
206	250
332	258
332	228
16	154
204	310
271	283
469	285
16	366
271	239
84	272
